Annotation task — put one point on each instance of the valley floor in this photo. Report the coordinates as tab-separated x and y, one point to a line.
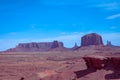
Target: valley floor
35	66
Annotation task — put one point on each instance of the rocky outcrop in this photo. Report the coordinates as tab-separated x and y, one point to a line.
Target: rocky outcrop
109	44
101	62
33	47
75	47
115	62
56	44
92	62
91	39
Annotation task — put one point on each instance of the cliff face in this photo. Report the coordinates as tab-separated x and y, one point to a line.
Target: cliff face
102	62
91	39
32	47
95	63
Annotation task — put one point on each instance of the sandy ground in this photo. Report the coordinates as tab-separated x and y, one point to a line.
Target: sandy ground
33	66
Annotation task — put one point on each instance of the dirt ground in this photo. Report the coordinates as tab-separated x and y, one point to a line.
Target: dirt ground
33	66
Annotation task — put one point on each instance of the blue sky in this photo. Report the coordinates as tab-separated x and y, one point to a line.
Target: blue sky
63	20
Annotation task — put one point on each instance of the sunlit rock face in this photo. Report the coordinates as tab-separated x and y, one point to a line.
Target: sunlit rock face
91	39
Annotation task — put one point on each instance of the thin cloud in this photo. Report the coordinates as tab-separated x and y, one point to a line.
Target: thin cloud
113	27
109	6
113	16
12	33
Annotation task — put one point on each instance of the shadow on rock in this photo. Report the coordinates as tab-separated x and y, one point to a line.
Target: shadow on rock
82	73
114	75
22	78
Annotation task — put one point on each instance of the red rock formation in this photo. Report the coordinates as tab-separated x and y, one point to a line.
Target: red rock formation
101	62
109	44
33	47
116	62
56	44
91	39
75	47
92	62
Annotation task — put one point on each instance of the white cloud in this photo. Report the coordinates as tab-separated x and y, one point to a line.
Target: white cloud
109	6
113	16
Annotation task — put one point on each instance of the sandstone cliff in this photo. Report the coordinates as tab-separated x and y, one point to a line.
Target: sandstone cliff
91	39
106	61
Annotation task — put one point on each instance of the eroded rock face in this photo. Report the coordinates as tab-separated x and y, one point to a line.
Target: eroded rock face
95	63
32	47
104	63
56	44
91	39
116	62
